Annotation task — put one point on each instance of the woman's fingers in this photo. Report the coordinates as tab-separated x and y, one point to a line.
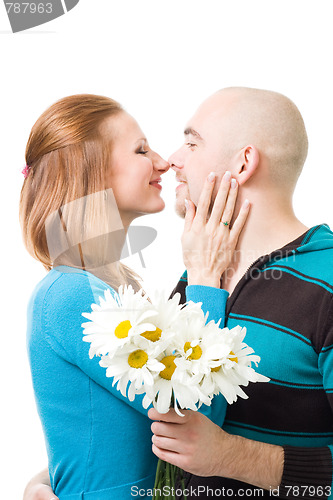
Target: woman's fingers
220	200
231	201
205	199
189	214
240	220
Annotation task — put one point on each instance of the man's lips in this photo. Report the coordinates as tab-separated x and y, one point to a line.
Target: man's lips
182	183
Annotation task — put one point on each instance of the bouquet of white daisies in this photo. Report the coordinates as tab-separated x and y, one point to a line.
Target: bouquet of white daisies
169	353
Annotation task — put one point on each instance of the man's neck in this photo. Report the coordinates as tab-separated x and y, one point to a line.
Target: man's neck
270	226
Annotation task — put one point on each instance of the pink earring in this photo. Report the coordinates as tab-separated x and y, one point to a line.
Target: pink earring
26	171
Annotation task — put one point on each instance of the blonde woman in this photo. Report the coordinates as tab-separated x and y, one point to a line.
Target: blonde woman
90	172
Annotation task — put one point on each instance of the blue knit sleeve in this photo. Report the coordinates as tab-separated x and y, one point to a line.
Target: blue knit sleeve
214	301
67	298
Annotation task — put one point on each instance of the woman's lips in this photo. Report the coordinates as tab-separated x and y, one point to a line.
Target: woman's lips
156	184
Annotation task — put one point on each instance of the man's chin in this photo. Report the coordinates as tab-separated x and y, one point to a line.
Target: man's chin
180	209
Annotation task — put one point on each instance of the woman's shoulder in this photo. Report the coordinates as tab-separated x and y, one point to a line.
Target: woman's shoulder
68	287
57	304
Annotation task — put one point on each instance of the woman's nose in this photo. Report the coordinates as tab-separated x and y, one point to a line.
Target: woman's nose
161	165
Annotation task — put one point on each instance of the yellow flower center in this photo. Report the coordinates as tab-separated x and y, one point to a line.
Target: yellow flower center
170	367
196	351
138	358
153	336
234	358
121	331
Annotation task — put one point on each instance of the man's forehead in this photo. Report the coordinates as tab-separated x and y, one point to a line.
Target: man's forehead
209	116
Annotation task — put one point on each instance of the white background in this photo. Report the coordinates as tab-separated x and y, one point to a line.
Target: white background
160	60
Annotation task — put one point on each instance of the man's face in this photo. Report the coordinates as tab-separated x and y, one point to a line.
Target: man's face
204	151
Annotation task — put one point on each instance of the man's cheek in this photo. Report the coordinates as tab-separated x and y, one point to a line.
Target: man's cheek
194	195
195	188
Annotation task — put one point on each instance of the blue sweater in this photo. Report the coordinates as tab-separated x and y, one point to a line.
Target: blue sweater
98	442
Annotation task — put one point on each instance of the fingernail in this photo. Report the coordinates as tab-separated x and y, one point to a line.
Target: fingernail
227	176
186	204
246	203
211	177
233	183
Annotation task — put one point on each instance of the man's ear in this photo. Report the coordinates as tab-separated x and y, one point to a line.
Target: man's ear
247	161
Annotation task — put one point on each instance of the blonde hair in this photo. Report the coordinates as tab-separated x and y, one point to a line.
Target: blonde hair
67	215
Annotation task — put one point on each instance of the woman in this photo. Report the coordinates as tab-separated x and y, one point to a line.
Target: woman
90	172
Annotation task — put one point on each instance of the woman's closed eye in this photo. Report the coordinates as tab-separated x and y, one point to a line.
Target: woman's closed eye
142	152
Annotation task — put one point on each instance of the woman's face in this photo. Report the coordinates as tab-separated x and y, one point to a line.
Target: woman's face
135	169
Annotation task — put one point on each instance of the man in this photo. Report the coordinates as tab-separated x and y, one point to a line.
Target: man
280	288
281	438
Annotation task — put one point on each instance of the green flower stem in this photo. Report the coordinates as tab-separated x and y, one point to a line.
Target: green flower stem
167	475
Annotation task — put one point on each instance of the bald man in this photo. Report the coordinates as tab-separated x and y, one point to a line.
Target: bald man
280	283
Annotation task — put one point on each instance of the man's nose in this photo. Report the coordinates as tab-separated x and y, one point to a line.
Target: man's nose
175	161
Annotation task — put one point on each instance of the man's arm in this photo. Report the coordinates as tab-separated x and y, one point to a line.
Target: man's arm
197	445
39	488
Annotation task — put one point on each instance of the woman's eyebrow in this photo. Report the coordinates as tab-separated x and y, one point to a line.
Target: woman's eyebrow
143	139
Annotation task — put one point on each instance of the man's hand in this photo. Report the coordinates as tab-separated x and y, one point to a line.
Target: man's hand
195	444
192	442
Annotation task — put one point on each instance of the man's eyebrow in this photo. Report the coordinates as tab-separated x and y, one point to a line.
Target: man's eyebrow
191	131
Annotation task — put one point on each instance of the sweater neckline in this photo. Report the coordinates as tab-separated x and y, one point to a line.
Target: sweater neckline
285	251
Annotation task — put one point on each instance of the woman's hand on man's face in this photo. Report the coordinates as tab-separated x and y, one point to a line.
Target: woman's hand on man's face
208	241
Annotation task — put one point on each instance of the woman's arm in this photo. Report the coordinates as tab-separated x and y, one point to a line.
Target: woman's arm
38	488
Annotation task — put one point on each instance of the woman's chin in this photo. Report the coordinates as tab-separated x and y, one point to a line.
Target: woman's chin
159	207
153	209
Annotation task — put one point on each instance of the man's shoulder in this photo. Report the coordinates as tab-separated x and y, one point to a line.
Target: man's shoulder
312	260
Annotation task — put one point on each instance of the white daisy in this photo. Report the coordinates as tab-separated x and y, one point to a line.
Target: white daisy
199	344
171	390
167	321
116	321
133	365
226	375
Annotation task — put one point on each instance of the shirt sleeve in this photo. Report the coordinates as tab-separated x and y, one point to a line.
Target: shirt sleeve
214	300
309	470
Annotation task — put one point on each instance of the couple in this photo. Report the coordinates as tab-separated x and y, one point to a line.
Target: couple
275	275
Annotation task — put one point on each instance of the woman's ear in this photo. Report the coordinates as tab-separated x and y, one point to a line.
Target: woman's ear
248	161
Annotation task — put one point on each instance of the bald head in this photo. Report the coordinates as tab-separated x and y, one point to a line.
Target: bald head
267	120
